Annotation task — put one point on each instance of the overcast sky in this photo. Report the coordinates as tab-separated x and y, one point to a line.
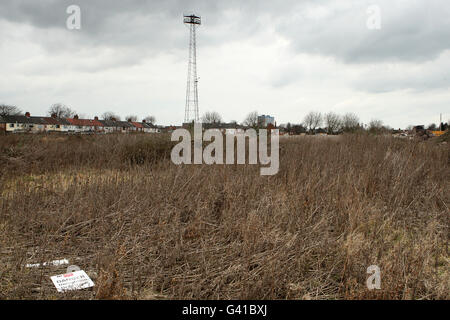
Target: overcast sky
283	58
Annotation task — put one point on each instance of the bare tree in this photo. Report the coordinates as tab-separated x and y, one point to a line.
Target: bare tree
350	122
333	122
312	120
7	110
211	117
150	119
109	115
132	118
252	119
375	125
288	128
61	111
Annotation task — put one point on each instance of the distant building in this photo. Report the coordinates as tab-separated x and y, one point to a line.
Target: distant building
86	125
53	124
419	128
145	127
225	128
265	120
149	127
126	126
26	123
111	126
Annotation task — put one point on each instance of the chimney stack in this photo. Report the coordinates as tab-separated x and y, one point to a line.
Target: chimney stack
76	117
27	114
113	119
144	121
54	115
96	118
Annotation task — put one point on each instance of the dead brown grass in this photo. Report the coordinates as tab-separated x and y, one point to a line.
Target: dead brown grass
144	228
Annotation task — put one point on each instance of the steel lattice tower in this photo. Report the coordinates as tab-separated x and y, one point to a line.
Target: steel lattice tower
191	111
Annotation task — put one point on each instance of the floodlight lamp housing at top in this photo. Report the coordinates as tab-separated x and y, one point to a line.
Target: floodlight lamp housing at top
192	19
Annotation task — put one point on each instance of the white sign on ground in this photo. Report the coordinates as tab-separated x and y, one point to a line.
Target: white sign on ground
72	281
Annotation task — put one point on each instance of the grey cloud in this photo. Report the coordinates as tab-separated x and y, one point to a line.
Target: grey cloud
431	75
131	22
153	24
411	30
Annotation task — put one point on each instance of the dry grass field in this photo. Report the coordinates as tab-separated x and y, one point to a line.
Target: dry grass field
143	228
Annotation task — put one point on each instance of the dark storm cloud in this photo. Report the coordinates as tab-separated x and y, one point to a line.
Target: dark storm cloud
153	24
411	30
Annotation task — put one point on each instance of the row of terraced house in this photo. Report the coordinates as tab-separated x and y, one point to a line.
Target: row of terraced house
26	123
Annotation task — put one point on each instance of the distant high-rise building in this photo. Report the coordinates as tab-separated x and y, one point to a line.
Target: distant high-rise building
265	120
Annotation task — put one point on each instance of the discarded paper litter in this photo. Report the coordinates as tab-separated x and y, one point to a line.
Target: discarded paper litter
53	263
72	281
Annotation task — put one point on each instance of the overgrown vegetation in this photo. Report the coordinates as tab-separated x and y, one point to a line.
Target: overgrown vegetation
143	228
